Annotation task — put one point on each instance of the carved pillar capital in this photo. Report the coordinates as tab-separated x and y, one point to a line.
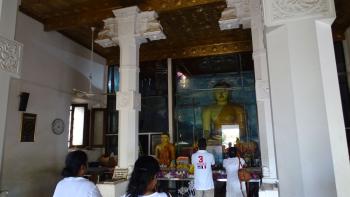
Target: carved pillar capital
278	12
237	13
130	22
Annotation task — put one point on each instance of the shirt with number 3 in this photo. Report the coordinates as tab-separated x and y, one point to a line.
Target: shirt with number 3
203	176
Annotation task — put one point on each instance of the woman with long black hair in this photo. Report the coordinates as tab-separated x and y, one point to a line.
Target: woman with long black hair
143	179
73	184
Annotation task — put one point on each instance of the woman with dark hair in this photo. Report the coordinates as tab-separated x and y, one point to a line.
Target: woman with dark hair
233	186
73	184
143	179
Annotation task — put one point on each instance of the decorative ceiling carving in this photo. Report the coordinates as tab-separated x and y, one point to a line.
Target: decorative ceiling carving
85	12
279	12
191	26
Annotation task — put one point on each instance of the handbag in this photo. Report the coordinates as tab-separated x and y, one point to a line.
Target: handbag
243	174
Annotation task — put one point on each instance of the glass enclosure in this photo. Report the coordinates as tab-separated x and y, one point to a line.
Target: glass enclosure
219	106
214	97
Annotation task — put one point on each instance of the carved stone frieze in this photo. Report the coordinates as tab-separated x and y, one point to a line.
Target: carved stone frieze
128	100
10	56
278	12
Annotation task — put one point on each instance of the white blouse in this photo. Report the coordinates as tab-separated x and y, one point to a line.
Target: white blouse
77	187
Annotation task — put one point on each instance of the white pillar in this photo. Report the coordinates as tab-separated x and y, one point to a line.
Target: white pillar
9	62
249	13
170	100
311	149
267	146
128	29
128	96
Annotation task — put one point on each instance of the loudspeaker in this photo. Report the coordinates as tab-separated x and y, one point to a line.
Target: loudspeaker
23	101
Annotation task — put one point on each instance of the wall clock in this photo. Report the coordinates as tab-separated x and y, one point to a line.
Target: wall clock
57	126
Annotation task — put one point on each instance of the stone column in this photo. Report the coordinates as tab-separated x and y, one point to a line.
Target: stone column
249	14
263	99
311	150
10	58
128	96
128	29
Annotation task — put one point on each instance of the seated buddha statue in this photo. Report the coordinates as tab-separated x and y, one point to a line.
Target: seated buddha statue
165	151
222	113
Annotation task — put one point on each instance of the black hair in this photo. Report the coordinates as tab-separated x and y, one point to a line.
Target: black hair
145	169
74	161
202	144
232	152
222	84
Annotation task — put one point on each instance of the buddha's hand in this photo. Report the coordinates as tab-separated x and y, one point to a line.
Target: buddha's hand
215	137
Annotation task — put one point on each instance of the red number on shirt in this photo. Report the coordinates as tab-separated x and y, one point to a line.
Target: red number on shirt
200	159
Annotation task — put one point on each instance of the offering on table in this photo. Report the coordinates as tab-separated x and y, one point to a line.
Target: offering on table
182	164
182	167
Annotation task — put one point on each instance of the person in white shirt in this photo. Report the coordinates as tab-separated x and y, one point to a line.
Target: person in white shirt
202	161
143	179
73	184
233	186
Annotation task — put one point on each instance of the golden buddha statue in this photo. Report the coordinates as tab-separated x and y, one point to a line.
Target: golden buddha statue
165	151
222	113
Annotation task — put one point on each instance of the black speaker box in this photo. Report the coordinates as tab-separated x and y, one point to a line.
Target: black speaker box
23	101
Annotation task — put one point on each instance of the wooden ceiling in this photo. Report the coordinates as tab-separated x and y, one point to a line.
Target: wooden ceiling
191	26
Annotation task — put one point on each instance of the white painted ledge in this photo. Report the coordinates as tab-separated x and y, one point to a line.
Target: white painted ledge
116	189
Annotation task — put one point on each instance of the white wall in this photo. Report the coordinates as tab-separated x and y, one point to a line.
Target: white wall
52	66
8	10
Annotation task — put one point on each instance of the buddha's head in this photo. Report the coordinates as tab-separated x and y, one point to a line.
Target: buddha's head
164	138
221	92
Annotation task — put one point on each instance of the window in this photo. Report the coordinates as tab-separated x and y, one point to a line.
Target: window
78	125
111	135
153	118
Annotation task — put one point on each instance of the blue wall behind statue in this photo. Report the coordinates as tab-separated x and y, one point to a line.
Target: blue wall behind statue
193	93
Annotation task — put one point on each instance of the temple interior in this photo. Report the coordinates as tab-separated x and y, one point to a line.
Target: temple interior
120	79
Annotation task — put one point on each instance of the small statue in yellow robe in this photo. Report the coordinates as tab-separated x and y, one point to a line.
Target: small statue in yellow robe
165	151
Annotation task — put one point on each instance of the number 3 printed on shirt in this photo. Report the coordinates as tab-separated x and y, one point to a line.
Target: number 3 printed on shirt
200	159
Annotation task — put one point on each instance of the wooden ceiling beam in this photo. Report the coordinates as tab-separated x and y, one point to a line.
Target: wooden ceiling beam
96	16
191	51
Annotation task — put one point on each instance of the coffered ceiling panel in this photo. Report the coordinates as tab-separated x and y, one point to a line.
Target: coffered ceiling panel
191	26
342	21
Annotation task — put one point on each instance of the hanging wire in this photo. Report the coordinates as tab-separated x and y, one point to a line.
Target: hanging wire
92	45
91	57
